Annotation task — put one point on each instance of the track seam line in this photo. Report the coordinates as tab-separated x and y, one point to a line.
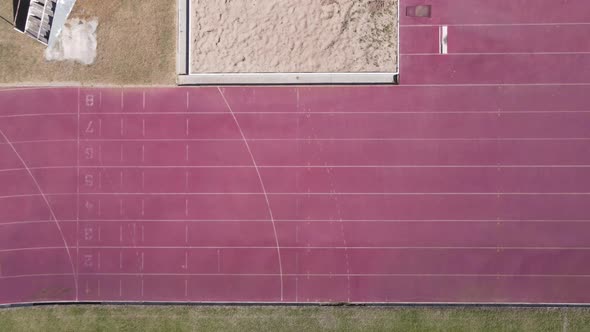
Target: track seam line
263	188
78	192
48	205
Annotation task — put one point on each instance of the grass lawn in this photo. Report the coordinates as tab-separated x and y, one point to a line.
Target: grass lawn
136	46
315	318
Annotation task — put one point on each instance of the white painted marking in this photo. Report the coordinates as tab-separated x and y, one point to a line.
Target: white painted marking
121	178
443	33
297	278
121	233
142	233
278	248
88	233
186	233
99	207
52	213
186	177
120	260
120	288
100	98
185	287
90	127
142	261
143	100
187	100
122	99
186	207
89	100
122	124
142	207
89	180
187	153
143	153
187	130
185	260
218	261
89	153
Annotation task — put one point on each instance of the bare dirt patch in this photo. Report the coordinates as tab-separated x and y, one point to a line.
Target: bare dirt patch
233	36
136	45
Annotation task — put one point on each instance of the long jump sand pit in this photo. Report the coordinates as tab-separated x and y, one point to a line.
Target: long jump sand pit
293	36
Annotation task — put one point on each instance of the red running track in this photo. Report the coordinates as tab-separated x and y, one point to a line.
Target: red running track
469	183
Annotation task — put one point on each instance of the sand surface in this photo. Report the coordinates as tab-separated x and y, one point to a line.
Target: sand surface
233	36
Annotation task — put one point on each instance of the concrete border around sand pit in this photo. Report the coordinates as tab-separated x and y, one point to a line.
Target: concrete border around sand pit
185	77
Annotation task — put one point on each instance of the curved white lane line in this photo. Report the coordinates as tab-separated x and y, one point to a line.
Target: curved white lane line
274	228
53	216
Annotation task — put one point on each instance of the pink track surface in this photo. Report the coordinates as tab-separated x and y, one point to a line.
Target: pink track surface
470	182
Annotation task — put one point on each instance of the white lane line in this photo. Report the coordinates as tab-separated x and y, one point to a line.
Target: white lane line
493	24
302	248
288	166
342	275
26	222
494	53
78	188
143	100
46	200
316	139
278	247
6	116
333	247
339	275
491	193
